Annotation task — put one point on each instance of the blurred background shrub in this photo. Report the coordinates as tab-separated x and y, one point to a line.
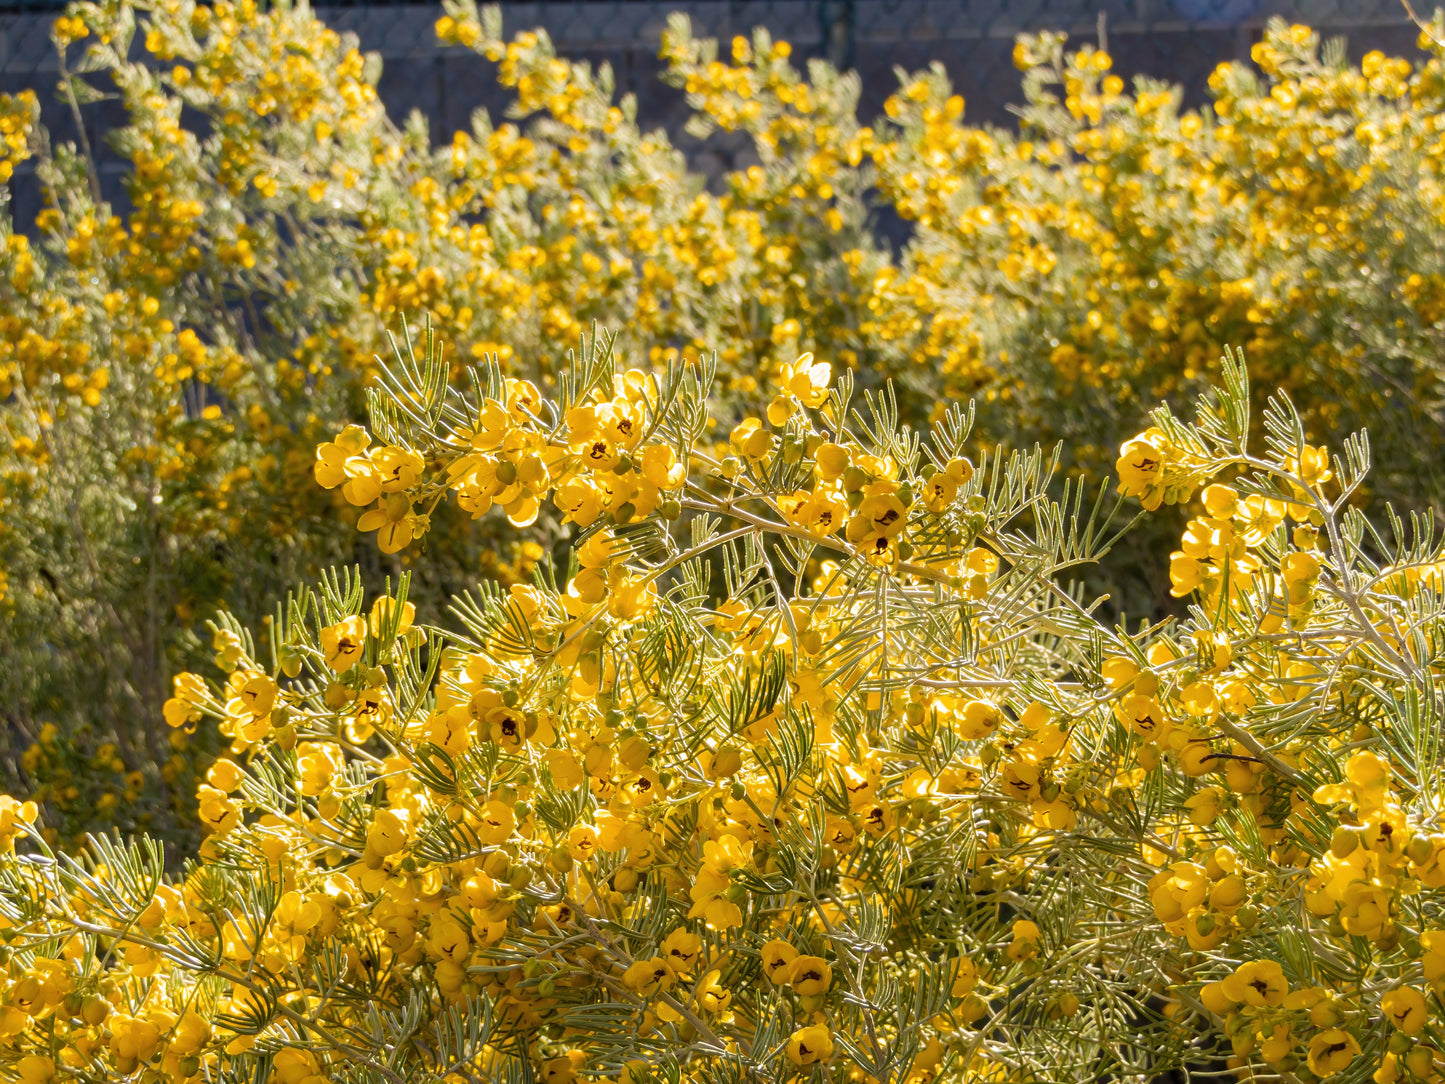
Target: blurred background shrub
167	366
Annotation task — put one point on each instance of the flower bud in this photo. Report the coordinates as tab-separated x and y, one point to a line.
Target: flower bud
1344	840
497	865
1420	849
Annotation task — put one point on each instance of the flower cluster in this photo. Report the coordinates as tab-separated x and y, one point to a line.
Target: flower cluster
859	797
807	758
18	116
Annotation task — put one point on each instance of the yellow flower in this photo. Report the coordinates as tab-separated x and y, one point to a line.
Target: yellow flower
965	977
331	457
1141	465
831	460
807	381
343	643
978	719
1178	890
385	610
810	1045
563	1070
661	467
810	975
497	822
394	522
36	1069
257	694
778	957
192	1033
399	468
1216	998
1331	1052
1258	983
879	515
1025	943
681	950
1406	1009
648	977
1205	806
1433	943
387	833
712	995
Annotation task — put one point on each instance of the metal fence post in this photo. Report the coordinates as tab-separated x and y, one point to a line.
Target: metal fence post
838	20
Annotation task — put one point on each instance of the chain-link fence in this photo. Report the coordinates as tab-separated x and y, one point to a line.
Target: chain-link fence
1181	40
1178	40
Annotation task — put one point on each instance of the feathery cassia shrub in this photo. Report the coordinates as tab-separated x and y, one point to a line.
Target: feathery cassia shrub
811	762
169	360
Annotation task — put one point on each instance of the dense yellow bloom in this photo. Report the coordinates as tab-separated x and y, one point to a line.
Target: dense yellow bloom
805	696
1158	234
